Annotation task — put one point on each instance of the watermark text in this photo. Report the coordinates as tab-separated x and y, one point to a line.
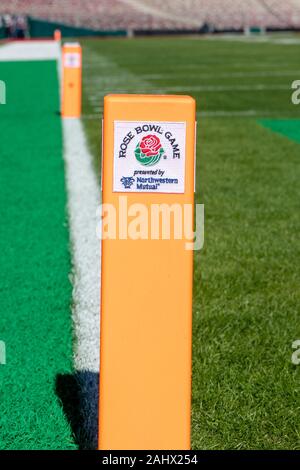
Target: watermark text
296	354
296	93
2	92
2	353
152	222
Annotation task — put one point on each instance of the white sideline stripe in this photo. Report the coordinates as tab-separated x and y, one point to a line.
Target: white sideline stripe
35	50
83	200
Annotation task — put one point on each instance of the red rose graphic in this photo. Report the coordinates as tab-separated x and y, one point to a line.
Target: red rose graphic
150	145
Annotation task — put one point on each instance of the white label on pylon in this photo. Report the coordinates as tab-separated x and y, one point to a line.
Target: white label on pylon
72	60
149	157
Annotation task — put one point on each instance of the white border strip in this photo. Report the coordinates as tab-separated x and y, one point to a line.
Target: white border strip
83	199
35	50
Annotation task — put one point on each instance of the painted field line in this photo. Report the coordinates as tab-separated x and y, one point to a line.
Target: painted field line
286	41
207	89
217	113
110	78
253	39
259	87
233	65
241	113
83	198
200	75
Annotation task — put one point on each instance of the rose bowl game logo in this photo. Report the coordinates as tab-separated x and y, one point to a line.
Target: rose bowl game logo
149	156
149	150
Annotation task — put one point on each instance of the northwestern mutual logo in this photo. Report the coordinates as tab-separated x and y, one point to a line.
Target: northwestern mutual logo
127	181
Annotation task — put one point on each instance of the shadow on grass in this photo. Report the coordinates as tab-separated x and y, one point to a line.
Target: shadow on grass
78	394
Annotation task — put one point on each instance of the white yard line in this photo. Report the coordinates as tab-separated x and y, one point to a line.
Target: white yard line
218	88
254	39
110	78
200	75
216	113
95	100
285	41
245	65
83	199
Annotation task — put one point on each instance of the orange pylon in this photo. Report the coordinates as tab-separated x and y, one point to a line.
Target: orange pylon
57	35
146	296
71	80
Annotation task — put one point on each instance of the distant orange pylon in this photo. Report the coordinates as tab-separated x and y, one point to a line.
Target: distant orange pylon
72	80
57	35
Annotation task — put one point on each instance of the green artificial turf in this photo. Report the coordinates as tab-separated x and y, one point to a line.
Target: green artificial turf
35	292
287	127
246	280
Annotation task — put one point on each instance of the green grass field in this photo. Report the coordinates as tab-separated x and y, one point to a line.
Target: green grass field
246	392
35	291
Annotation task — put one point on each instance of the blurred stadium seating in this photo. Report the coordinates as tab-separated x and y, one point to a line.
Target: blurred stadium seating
152	15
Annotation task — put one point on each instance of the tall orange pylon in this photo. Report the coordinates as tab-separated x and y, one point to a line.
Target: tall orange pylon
71	80
146	296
